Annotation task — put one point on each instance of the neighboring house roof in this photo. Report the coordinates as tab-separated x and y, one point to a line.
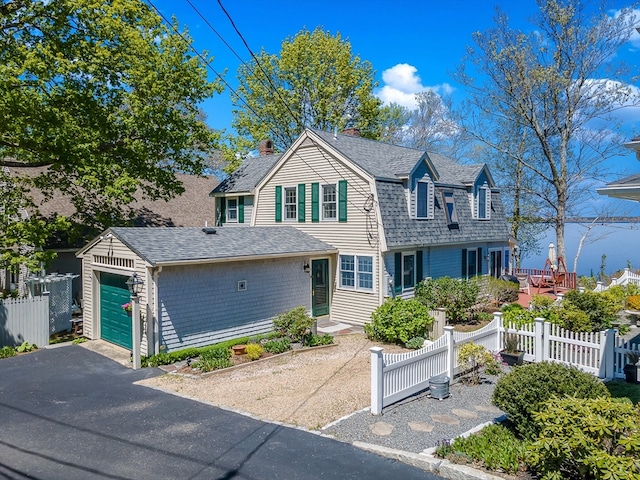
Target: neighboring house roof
627	188
401	229
247	176
191	209
175	245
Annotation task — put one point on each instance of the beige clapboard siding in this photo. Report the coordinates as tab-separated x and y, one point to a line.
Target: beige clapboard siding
309	166
111	248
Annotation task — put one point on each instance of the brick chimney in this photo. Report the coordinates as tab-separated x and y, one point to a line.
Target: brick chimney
354	132
265	148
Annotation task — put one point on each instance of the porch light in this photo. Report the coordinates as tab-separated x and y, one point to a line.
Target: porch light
134	284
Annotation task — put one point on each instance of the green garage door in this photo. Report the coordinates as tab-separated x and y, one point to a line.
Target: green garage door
115	323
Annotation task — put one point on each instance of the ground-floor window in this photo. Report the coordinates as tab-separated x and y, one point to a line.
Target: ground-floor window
356	272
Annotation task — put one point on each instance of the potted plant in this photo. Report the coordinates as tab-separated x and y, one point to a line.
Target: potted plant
631	368
511	355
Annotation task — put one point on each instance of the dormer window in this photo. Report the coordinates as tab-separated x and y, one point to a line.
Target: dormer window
424	199
232	210
483	203
450	209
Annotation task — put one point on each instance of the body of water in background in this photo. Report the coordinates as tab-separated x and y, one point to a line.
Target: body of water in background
620	242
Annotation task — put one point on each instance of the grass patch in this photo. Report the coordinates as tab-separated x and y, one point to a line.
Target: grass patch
620	389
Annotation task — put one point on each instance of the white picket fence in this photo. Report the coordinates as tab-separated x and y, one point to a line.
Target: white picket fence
395	377
627	278
24	319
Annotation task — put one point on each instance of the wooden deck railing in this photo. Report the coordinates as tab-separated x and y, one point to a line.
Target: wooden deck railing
569	281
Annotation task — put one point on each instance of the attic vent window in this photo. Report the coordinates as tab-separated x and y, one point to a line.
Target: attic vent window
209	230
242	285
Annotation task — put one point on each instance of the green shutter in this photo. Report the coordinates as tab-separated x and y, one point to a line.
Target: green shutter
342	201
278	203
418	266
397	274
241	209
301	195
223	210
315	202
464	263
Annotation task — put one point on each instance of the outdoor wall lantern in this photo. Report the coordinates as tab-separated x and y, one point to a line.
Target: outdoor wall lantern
305	266
134	284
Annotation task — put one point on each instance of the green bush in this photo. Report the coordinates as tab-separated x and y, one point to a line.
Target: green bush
254	351
295	324
398	320
277	345
587	439
502	291
6	352
494	447
213	359
26	347
415	343
318	340
454	295
475	359
601	307
520	392
516	314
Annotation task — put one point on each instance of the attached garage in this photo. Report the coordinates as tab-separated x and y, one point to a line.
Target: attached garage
201	286
115	325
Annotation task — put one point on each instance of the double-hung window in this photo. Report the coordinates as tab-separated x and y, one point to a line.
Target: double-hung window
232	210
356	272
422	200
408	271
484	203
450	209
329	202
290	204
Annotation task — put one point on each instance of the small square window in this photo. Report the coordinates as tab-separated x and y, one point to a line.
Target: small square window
242	285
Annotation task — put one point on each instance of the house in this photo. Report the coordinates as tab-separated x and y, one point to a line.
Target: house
395	215
184	210
627	188
201	285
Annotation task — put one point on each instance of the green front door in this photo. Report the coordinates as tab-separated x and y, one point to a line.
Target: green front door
320	287
115	323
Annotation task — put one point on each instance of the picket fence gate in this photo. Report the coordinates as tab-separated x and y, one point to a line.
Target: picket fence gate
395	377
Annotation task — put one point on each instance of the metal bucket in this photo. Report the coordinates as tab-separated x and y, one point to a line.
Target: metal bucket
439	387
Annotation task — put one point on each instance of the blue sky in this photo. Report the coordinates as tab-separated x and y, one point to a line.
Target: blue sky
413	45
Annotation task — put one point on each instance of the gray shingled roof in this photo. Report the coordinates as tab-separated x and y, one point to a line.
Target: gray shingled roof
630	181
401	230
164	245
247	176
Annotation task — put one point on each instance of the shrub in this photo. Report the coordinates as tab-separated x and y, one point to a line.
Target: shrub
213	359
516	314
520	392
477	358
502	291
454	295
318	340
277	345
26	347
295	324
6	352
633	302
398	320
587	439
415	343
574	319
600	307
495	447
254	351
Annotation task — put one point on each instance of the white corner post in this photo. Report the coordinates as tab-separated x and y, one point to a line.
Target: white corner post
451	360
136	331
607	354
377	384
538	343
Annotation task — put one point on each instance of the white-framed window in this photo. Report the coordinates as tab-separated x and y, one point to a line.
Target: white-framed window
424	199
471	266
483	203
290	203
232	210
329	202
450	208
408	270
356	272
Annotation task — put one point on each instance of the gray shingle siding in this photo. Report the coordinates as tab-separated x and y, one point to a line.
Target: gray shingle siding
201	304
403	231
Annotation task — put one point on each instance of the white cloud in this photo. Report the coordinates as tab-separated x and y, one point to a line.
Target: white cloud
402	82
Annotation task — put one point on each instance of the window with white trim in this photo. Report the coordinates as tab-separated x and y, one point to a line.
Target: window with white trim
290	203
232	210
356	272
329	202
408	270
424	199
483	205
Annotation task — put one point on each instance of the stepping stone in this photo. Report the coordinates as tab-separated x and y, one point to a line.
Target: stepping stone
448	419
420	427
488	408
381	428
461	412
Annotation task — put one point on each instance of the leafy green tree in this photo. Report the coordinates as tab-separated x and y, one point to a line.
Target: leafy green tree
561	85
105	97
314	82
393	119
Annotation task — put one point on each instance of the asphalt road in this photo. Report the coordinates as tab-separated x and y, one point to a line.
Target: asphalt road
69	413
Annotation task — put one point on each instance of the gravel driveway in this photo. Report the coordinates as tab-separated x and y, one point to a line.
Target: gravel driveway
305	388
